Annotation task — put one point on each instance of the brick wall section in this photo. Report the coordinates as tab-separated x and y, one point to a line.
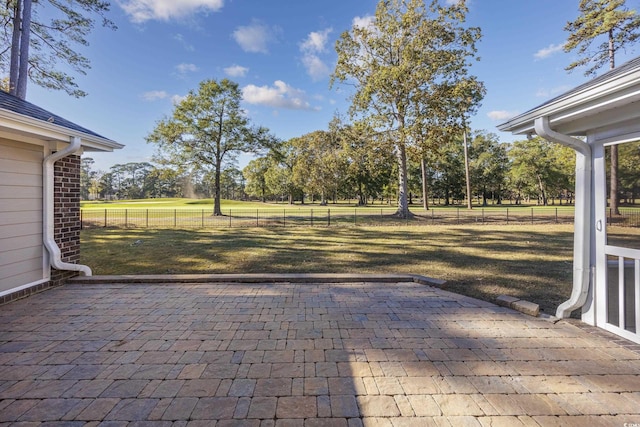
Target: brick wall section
66	202
66	224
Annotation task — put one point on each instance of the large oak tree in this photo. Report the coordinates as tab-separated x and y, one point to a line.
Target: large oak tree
207	128
407	66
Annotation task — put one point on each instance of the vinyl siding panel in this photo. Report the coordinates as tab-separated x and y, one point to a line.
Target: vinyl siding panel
21	249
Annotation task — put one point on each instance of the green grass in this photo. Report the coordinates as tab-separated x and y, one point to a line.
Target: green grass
184	203
172	203
529	262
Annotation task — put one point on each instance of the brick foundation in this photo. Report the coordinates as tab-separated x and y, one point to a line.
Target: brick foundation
66	190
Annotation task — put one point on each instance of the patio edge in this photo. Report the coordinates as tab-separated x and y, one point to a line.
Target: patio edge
258	278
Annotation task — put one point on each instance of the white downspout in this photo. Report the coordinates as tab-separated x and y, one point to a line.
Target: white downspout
55	256
582	221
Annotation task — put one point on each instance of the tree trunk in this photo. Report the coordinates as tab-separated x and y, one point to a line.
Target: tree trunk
23	72
542	192
15	48
466	170
613	195
403	207
217	211
425	194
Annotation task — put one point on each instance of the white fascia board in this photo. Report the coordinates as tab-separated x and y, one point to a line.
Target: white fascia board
21	124
614	93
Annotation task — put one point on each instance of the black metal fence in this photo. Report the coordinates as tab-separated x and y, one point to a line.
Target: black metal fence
327	217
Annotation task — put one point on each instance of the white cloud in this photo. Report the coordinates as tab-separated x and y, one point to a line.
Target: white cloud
186	68
254	38
236	71
501	114
140	11
548	93
280	95
316	68
316	41
548	51
311	47
154	95
177	99
363	21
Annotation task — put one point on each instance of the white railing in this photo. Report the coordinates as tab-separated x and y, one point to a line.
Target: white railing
628	262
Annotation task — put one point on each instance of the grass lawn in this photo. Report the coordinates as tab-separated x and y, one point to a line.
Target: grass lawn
530	262
184	203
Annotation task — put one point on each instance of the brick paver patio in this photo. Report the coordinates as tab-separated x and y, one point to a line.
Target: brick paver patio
341	354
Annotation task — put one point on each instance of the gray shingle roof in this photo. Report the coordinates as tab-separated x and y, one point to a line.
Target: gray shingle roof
17	105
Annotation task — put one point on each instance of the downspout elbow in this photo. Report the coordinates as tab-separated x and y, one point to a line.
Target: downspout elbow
582	221
55	255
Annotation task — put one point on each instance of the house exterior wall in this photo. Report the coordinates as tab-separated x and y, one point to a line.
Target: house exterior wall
21	250
66	225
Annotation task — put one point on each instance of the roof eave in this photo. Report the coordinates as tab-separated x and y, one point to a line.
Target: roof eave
53	132
591	101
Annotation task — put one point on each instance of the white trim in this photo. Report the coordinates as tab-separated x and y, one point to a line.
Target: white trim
21	124
19	288
620	251
622	90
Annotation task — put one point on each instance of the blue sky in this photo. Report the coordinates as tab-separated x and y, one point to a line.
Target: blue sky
281	53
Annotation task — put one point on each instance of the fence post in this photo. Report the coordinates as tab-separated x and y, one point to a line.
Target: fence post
483	215
126	218
556	215
147	218
202	218
229	218
105	218
433	217
507	215
458	216
328	217
311	213
284	217
175	218
531	215
355	214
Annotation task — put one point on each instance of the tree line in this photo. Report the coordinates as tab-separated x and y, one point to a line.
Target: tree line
340	164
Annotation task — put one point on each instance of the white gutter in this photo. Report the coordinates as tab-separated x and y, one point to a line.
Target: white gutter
582	222
55	256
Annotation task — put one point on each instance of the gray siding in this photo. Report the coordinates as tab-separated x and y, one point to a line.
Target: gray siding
21	249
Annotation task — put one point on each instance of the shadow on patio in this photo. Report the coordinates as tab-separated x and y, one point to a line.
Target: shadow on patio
309	354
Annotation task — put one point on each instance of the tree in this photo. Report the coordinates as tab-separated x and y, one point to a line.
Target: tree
163	182
407	66
367	161
490	165
615	27
33	47
207	129
254	174
318	168
540	168
87	177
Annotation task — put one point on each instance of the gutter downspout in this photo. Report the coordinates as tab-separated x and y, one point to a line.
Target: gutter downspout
55	256
582	221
